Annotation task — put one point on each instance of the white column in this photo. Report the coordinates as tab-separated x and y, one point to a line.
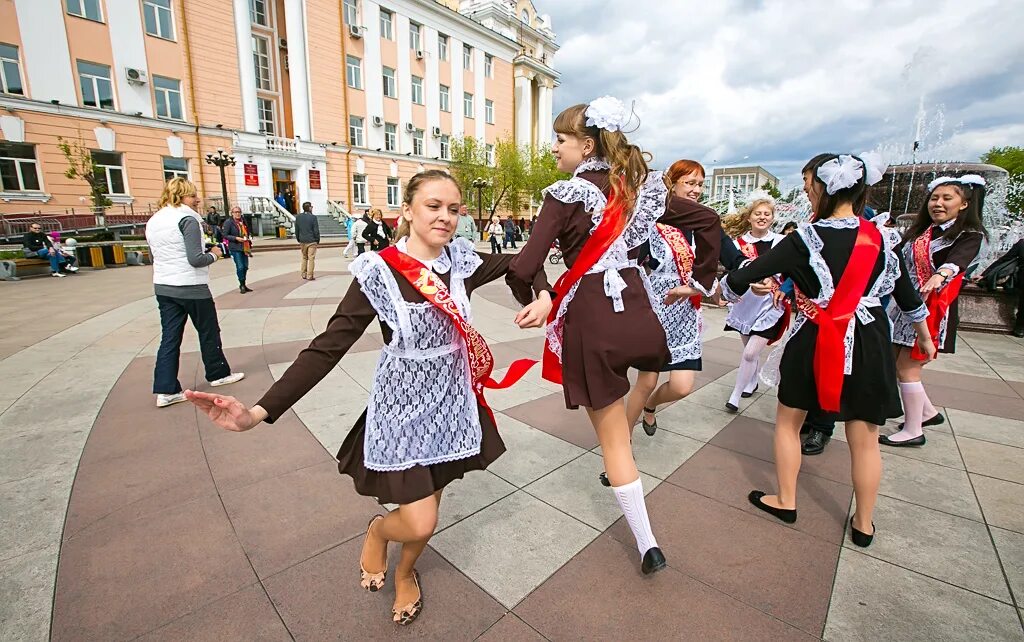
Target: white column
45	54
524	109
295	19
479	91
246	67
544	114
129	48
432	91
457	89
403	76
373	72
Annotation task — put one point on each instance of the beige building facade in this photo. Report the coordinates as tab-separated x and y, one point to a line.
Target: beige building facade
337	102
739	181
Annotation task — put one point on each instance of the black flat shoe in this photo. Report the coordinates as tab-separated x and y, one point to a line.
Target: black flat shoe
731	408
745	395
815	444
649	428
916	441
937	420
861	539
785	514
1018	332
654	561
604	480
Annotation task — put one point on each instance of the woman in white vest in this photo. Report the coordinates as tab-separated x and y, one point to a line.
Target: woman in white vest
181	276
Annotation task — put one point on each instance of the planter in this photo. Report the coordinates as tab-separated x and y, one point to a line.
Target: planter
984	311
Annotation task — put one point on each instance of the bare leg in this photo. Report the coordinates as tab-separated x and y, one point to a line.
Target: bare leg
787	456
867	471
645	384
613	433
679	385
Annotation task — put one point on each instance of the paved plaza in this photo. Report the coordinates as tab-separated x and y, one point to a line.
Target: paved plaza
119	520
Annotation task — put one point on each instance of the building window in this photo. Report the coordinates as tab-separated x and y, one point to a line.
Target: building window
86	9
467	57
489	111
446	147
355	131
113	170
387	21
354	72
394	191
10	71
417	90
168	98
445	99
97	89
467	105
258	12
261	60
265	109
359	189
19	170
175	168
351	13
489	65
158	18
390	87
442	47
414	36
417	142
490	154
390	137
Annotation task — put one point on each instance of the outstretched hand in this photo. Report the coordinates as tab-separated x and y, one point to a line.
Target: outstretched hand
762	287
934	283
679	293
227	412
535	314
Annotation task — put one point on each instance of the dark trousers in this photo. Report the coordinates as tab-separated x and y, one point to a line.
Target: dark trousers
819	423
360	248
510	241
241	265
1020	305
495	245
173	312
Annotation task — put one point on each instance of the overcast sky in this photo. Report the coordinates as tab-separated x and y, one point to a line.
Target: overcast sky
779	81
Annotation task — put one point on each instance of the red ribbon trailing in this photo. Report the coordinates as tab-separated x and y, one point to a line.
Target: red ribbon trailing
481	361
682	253
832	320
750	251
612	223
937	301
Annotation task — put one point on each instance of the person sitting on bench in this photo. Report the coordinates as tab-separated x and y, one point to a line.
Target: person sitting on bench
39	245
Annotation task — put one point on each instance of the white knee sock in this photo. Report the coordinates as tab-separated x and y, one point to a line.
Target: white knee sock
631	501
746	377
912	393
929	410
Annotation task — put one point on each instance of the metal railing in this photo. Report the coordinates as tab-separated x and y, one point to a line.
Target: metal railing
75	218
280	144
266	206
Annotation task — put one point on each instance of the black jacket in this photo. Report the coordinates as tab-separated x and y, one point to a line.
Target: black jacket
307	228
36	241
371	236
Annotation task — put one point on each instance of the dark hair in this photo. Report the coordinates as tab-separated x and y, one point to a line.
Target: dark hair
307	206
969	220
789	226
856	195
413	186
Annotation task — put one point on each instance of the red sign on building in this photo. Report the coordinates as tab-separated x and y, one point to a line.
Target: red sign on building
314	179
252	174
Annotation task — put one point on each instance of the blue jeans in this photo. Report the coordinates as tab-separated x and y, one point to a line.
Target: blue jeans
241	265
56	259
173	312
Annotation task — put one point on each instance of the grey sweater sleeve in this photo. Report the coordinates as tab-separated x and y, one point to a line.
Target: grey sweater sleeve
194	250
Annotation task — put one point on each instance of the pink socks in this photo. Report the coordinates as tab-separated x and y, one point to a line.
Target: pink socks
914	400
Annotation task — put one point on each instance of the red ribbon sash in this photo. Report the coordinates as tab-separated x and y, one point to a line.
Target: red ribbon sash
937	301
750	251
682	254
832	320
481	361
611	226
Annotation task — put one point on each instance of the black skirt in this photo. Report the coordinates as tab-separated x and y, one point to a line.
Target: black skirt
686	364
771	333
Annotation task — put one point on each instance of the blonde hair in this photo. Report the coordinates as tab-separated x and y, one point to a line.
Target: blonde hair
628	162
738	224
175	190
413	186
375	211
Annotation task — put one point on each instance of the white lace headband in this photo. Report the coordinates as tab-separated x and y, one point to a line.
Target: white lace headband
845	170
607	112
966	179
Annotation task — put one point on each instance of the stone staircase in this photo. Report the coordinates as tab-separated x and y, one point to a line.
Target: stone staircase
329	226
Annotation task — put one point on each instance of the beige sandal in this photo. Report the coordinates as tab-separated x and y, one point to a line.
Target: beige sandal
408	613
372	582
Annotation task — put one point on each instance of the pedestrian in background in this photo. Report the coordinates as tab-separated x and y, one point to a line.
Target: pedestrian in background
510	232
236	233
496	232
307	232
466	228
357	232
377	232
181	276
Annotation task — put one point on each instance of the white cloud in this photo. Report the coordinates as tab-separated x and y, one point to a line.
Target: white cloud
779	81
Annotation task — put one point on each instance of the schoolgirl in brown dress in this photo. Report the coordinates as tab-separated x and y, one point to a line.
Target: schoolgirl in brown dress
425	424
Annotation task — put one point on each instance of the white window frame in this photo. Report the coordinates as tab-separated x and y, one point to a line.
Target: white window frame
488	65
257	55
5	83
444	98
394	191
467	105
419	146
156	8
356	129
390	82
360	190
83	6
489	149
254	13
20	171
108	169
168	95
354	71
387	25
94	80
442	46
350	12
174	172
262	113
446	147
467	57
489	112
390	137
416	90
415	36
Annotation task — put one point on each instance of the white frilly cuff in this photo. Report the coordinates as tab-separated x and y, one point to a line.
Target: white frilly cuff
727	292
695	284
920	313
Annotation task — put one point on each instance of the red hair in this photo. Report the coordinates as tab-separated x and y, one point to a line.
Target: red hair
683	167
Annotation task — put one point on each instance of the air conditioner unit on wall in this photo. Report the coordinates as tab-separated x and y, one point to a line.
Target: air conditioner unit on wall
436	132
419	54
378	121
135	76
355	31
409	127
282	43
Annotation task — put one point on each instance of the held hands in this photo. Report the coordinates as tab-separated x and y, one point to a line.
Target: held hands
535	314
679	293
227	412
778	298
933	283
762	287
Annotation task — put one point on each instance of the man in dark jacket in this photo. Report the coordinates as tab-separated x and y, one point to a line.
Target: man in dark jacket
510	232
307	233
236	233
39	245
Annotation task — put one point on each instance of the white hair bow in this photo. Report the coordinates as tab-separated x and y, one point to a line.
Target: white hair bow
966	179
874	167
840	173
607	112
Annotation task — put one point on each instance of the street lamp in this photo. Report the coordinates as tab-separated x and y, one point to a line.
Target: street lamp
480	184
222	160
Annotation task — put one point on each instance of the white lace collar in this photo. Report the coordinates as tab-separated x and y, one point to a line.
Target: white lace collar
750	238
441	264
593	163
948	224
841	223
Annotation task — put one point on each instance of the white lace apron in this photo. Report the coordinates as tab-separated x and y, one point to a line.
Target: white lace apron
683	323
421	409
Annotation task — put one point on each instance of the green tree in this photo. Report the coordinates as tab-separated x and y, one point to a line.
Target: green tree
772	190
791	195
81	165
543	172
1012	160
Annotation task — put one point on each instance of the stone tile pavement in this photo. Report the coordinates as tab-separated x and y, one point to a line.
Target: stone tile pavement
119	520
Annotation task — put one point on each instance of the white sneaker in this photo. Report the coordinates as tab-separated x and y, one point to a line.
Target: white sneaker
58	275
162	401
231	378
71	268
